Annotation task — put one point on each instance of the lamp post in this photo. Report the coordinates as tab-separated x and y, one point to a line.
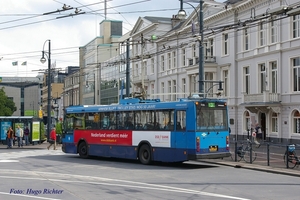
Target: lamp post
182	15
43	60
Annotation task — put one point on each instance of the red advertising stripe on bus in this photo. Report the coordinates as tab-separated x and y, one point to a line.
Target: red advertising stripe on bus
110	137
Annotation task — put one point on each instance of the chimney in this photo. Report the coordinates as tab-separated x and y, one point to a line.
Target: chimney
175	20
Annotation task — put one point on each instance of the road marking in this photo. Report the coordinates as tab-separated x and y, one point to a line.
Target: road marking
6	161
23	154
123	183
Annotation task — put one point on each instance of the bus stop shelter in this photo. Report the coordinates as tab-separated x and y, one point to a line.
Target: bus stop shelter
36	131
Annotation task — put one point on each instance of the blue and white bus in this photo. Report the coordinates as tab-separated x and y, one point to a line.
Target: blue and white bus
149	130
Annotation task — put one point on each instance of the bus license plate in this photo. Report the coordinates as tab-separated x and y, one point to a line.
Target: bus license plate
213	148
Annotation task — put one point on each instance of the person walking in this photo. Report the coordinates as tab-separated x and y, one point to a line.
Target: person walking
10	136
52	139
20	134
26	135
258	132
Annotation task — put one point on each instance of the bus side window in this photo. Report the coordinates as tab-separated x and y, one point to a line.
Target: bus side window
178	126
139	126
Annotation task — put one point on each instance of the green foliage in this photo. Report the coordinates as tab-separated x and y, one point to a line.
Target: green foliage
43	136
59	128
7	106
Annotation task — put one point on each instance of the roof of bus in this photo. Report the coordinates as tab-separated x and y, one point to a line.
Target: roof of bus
140	105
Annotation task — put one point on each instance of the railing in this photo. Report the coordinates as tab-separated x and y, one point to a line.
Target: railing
268	154
262	97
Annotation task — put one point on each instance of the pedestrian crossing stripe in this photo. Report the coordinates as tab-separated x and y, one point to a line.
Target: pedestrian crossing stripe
23	154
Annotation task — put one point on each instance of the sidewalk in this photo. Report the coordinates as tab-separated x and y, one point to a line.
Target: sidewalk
43	145
275	151
284	171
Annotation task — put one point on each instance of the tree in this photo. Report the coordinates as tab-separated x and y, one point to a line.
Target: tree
7	106
58	128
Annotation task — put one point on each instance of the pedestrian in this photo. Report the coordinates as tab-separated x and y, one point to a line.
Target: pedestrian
258	131
52	139
26	135
9	136
20	134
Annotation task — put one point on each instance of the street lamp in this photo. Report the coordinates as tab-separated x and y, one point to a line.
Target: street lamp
43	60
181	15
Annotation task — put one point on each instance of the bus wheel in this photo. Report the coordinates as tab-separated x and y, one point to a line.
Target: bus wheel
83	150
145	154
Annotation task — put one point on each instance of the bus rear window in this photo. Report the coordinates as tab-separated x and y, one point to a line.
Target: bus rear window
211	118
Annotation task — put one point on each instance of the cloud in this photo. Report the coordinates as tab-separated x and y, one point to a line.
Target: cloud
24	29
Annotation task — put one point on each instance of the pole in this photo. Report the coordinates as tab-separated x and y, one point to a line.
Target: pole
49	92
127	68
201	56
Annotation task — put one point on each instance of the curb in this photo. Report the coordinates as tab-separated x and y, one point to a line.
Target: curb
289	172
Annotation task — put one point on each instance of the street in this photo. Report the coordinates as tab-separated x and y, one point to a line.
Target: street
48	174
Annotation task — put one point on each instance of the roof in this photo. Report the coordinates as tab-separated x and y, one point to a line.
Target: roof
158	19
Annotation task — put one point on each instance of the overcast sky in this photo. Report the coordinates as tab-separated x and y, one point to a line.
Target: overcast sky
24	29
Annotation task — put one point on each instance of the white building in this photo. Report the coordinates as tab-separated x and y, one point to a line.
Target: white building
252	46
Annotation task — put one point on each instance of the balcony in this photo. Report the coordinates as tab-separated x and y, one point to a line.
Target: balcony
266	96
262	102
138	79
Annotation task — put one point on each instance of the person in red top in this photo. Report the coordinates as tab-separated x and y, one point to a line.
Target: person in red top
52	139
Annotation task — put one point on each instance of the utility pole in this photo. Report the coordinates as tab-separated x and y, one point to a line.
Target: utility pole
142	65
127	69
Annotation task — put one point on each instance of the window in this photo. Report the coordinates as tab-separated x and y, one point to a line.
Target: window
174	90
296	122
194	50
208	76
180	120
136	70
169	90
169	61
262	78
226	83
162	90
183	57
209	47
274	123
152	88
152	65
174	59
246	39
274	82
194	83
273	30
246	80
262	34
162	67
144	69
247	122
184	86
296	26
225	44
296	74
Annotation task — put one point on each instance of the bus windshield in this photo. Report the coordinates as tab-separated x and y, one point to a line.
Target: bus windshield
212	118
74	121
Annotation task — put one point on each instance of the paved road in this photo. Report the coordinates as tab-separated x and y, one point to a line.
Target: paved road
39	173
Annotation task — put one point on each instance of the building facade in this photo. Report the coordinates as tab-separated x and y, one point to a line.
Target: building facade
250	46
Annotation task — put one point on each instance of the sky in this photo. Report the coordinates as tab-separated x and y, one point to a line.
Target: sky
25	29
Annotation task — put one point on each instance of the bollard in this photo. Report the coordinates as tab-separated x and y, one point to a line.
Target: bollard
235	151
268	154
287	157
250	152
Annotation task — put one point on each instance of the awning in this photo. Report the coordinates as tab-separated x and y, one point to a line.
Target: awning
263	107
